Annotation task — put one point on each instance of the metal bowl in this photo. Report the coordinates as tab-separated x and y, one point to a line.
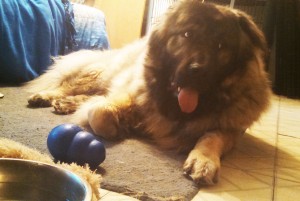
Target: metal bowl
31	180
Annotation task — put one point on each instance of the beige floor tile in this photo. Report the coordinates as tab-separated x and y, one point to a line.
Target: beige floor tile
287	177
249	195
288	161
264	175
223	185
252	154
287	194
249	146
250	163
103	192
289	119
242	180
236	180
288	146
227	163
110	196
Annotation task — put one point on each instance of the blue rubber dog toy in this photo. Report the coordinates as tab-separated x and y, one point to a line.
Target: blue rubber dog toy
69	143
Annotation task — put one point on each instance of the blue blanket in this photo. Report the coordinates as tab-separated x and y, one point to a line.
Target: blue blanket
90	29
30	32
33	31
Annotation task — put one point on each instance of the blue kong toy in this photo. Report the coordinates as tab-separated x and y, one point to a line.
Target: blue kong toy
70	143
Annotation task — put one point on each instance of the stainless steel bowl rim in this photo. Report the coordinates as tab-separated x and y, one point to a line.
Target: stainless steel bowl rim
85	183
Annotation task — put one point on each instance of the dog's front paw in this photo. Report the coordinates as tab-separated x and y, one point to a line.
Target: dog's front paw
104	121
202	169
64	106
39	100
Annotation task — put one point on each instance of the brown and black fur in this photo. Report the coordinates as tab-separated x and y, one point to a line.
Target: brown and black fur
216	51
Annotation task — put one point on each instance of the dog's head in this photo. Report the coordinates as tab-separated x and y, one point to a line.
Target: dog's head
194	49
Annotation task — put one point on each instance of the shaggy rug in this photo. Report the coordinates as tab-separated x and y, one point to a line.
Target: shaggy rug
133	167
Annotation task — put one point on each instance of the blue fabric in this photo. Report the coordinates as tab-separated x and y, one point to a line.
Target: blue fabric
70	25
31	31
90	28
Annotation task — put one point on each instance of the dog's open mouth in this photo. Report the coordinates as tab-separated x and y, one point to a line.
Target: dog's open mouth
187	98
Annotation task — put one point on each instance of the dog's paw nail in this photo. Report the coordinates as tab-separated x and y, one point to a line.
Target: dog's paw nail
187	174
204	171
187	171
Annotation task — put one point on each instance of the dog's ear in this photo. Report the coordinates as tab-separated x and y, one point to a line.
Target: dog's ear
155	39
255	35
157	43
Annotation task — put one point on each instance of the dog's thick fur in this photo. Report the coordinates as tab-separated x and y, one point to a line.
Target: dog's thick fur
195	84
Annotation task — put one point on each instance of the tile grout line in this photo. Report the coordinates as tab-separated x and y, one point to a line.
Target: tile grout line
105	194
286	135
276	151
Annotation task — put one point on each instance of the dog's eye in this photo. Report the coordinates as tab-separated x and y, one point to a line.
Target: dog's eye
187	34
221	46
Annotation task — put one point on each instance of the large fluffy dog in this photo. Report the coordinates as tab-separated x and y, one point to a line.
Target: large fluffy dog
195	84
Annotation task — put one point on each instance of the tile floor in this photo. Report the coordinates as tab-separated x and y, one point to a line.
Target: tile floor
265	166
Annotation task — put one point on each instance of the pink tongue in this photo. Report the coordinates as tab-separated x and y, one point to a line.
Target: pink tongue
188	100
